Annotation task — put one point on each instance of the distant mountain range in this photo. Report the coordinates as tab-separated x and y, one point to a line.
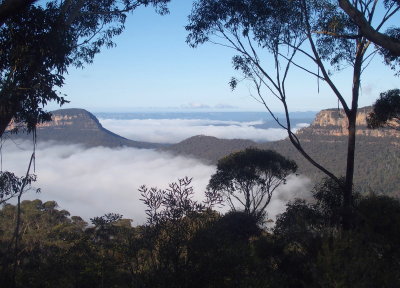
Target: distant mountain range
377	153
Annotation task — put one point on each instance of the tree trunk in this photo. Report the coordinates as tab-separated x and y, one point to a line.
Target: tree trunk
348	188
5	118
351	144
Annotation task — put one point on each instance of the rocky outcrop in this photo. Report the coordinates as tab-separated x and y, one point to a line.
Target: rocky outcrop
78	118
333	122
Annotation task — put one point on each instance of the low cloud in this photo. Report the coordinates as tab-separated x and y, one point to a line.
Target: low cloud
296	187
92	182
176	130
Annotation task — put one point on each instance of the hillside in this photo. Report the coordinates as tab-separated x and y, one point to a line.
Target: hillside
208	148
377	152
78	126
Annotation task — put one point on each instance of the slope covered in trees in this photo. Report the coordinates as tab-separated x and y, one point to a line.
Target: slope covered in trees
377	159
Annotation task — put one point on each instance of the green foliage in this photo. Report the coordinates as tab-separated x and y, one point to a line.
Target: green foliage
248	179
386	110
205	249
220	254
11	185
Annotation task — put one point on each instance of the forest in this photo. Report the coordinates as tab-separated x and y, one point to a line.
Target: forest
192	246
339	238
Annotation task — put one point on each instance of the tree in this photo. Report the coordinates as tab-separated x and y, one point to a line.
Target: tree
386	111
309	35
39	43
248	178
47	236
173	217
220	254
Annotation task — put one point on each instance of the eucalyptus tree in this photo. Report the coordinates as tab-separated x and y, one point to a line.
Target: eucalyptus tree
272	38
41	40
247	179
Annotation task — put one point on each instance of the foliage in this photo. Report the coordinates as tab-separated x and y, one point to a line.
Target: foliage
305	249
11	185
248	179
41	42
220	254
175	202
173	217
386	111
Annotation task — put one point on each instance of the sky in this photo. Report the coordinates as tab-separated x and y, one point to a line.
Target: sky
153	68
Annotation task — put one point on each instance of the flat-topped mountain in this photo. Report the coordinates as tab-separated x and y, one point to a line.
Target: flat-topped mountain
78	126
332	122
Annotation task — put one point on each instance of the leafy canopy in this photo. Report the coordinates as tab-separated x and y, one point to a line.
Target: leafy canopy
386	110
248	178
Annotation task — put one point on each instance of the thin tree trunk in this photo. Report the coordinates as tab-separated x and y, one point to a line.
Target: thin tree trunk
348	187
5	119
351	144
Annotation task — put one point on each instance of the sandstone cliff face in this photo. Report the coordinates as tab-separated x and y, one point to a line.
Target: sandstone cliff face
69	119
62	119
333	122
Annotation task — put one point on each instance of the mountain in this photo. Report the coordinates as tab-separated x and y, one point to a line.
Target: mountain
78	126
209	148
377	166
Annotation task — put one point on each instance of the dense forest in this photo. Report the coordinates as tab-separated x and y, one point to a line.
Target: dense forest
199	247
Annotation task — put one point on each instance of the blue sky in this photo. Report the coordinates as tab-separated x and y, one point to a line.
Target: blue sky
153	68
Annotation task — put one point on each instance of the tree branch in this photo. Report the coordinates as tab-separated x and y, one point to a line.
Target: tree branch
385	41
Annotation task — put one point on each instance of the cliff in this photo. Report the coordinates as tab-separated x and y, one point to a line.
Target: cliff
333	122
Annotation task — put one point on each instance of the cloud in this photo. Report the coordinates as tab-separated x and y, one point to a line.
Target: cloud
295	187
176	130
195	105
92	182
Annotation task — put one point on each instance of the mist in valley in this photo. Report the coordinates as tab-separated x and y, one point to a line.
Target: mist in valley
94	181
